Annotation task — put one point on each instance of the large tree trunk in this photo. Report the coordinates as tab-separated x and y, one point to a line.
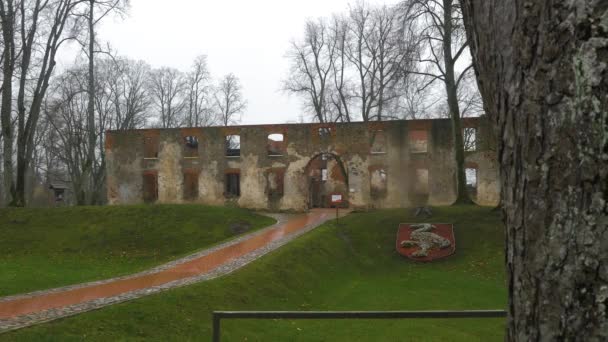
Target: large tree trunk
7	13
542	68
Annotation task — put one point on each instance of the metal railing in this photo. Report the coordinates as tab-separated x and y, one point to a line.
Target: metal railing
219	315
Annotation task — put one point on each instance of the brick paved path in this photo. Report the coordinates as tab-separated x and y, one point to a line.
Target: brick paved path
24	310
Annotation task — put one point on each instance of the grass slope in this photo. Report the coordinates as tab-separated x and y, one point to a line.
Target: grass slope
45	248
352	267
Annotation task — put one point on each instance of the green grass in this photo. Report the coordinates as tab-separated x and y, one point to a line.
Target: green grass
352	267
46	248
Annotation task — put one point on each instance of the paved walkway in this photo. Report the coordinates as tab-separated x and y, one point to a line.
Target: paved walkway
24	310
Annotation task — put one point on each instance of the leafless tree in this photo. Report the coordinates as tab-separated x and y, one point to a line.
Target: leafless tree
36	29
351	65
168	91
125	82
311	63
199	94
96	11
542	69
442	35
340	91
229	100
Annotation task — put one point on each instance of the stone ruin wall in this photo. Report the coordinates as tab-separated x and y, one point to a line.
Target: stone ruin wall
373	165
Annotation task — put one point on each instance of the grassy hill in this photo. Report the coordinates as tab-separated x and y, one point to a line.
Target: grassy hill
351	267
45	248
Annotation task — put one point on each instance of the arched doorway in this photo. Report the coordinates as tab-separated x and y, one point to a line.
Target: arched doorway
326	175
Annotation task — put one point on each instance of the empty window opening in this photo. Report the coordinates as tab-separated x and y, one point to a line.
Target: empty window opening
378	181
233	145
324	135
233	185
151	147
275	180
421	183
470	139
190	186
191	146
276	144
378	142
418	141
471	177
324	175
150	187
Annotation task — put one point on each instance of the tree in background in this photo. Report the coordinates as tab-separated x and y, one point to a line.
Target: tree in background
542	70
311	63
229	100
352	66
443	45
33	32
199	94
168	91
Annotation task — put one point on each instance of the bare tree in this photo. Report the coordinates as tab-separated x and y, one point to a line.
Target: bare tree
442	33
125	82
362	53
340	91
542	70
229	100
395	46
311	64
352	63
38	28
8	22
167	88
199	93
67	113
105	7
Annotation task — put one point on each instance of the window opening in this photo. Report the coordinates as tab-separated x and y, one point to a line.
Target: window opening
470	139
471	178
150	187
378	142
151	147
191	146
418	141
276	144
190	186
233	185
233	145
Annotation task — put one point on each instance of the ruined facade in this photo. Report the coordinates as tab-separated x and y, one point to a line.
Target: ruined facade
299	166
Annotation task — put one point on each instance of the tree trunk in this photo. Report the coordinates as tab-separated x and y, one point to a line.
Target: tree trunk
8	35
88	168
462	196
542	69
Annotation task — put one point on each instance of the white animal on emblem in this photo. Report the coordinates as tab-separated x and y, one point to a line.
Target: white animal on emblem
425	240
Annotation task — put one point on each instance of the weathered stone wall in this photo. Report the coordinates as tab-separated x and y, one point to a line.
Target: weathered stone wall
378	177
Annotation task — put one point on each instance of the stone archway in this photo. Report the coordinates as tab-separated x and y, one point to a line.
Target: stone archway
326	175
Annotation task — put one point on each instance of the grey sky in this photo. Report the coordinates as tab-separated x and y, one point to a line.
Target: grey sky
248	38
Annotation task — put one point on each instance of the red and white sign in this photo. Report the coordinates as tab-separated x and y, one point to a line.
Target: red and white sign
426	241
336	198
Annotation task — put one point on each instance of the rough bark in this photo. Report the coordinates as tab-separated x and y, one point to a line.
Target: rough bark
542	68
7	16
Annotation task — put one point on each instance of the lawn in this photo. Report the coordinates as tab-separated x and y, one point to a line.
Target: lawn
351	267
46	248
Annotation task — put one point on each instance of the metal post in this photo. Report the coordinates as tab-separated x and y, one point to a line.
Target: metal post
337	215
216	327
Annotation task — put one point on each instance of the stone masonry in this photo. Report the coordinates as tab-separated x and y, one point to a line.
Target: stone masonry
295	167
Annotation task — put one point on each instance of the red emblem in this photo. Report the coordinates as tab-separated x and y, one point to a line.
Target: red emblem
426	241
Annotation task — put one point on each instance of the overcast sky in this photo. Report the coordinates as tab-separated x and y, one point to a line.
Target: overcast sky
248	38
